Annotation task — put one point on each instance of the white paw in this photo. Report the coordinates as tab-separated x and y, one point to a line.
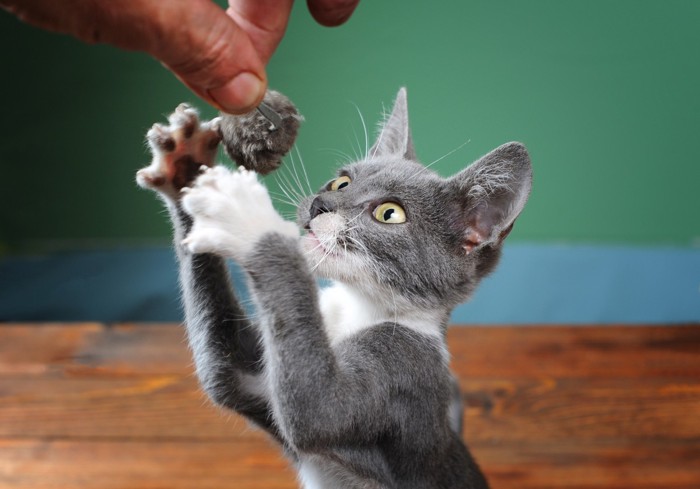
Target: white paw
231	212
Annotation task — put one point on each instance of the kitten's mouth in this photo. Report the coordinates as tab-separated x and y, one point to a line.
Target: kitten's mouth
322	246
323	235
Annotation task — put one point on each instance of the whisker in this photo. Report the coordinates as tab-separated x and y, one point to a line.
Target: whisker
283	198
328	253
289	216
364	128
288	187
297	180
292	177
303	167
423	168
359	244
346	158
350	221
359	148
449	154
294	201
319	245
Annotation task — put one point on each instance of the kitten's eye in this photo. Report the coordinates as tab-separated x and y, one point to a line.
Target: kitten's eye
390	213
340	182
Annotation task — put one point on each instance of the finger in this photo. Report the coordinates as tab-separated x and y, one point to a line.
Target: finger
264	21
331	13
194	38
207	50
67	17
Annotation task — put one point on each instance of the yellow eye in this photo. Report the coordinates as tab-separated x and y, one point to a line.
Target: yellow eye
390	213
340	182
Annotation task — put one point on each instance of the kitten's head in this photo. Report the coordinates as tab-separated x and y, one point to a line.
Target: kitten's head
387	224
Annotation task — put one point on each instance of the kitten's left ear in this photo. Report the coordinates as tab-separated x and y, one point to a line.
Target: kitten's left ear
491	193
395	136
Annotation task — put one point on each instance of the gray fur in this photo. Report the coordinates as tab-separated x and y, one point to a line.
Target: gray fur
395	133
253	142
378	408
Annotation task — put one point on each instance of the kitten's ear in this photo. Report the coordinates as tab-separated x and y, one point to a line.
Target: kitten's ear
395	135
491	193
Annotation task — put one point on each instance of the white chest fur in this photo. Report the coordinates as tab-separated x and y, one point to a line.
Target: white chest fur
312	477
346	312
317	472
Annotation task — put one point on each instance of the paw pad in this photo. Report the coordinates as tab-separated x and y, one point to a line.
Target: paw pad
180	149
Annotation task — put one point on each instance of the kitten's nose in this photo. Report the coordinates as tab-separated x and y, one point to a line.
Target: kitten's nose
319	206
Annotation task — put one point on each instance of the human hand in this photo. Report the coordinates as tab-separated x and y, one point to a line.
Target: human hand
220	55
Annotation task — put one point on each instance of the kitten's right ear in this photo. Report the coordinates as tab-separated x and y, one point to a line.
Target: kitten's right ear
491	193
395	136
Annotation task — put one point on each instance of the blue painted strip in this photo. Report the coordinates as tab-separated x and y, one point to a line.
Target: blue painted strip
537	284
534	284
106	286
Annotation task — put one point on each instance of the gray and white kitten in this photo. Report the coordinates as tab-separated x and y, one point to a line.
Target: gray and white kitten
352	380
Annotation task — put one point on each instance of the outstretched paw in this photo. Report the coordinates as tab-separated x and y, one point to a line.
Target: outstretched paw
180	150
231	210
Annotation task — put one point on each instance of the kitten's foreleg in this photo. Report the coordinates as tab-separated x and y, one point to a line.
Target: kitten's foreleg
319	398
312	396
225	344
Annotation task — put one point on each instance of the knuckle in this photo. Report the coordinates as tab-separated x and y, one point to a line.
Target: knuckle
200	49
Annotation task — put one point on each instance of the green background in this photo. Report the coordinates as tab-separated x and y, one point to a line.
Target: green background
606	95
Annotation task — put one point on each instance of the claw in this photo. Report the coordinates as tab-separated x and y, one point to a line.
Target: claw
215	123
160	136
157	127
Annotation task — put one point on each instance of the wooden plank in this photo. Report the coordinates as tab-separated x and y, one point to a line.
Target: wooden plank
136	349
597	409
29	464
482	352
36	349
39	464
581	351
574	465
173	406
144	407
93	349
94	406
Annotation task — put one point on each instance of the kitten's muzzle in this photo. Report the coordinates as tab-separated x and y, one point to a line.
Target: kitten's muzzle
320	206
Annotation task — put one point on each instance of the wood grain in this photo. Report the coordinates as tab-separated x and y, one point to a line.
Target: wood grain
49	464
96	406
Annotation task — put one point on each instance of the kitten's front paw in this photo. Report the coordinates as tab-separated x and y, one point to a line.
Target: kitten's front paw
179	151
231	212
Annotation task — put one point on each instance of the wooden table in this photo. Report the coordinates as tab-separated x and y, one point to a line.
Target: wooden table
98	406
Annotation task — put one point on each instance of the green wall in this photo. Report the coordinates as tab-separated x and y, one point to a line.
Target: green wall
606	95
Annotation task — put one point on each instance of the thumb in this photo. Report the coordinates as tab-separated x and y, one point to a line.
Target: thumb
210	54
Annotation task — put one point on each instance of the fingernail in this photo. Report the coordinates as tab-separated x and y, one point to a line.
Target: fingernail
239	95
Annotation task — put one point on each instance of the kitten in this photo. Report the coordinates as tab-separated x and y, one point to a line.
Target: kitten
351	380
